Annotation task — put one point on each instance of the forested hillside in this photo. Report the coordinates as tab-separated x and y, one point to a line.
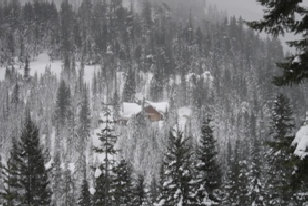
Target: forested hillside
151	103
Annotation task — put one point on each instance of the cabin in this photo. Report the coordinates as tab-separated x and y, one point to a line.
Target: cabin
152	114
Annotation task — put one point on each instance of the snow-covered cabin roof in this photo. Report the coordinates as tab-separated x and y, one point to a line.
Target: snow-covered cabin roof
161	107
130	109
301	142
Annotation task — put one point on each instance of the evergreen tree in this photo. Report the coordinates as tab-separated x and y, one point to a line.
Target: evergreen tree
33	175
208	169
94	85
140	193
11	194
69	188
15	95
85	121
147	13
199	38
80	138
162	190
1	178
301	180
238	191
280	157
67	24
157	85
256	177
280	17
122	184
27	69
103	194
154	191
177	187
244	198
227	183
257	186
57	179
100	27
129	87
183	89
85	197
63	103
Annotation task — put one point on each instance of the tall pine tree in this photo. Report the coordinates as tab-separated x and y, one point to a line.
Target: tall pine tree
33	175
208	170
177	187
85	197
238	193
129	86
122	184
140	196
280	17
103	194
280	157
12	186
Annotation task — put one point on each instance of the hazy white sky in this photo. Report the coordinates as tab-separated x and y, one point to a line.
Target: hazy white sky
248	9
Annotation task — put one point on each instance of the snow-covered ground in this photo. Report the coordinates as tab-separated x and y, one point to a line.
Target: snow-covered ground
37	66
42	62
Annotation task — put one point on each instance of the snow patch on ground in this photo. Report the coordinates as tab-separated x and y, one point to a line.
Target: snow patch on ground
89	71
301	142
41	62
